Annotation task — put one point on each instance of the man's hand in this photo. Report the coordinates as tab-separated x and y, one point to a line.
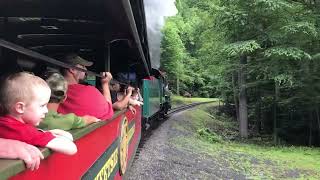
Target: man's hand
13	149
61	133
132	109
105	80
134	102
106	77
129	91
90	119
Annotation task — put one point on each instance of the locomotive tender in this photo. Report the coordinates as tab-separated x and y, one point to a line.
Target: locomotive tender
35	34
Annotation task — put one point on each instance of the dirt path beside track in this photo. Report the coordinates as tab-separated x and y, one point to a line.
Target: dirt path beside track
162	158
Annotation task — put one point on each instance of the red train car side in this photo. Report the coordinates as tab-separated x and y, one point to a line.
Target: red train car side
104	152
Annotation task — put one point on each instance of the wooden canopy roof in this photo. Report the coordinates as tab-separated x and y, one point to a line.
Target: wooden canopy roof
99	30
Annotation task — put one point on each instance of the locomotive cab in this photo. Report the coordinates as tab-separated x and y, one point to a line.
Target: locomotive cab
156	98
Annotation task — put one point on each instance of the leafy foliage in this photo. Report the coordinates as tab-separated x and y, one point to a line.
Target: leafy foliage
280	40
242	47
286	53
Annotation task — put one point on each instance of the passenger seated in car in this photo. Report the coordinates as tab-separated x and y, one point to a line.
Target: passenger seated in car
82	99
23	99
120	100
122	92
136	98
136	95
54	120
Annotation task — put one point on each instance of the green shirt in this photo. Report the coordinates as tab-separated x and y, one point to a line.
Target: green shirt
54	120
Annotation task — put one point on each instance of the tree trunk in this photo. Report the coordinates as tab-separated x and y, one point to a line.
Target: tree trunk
243	111
310	128
318	119
235	94
178	89
258	114
276	97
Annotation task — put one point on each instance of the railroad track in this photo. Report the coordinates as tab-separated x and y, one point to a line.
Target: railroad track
155	124
185	107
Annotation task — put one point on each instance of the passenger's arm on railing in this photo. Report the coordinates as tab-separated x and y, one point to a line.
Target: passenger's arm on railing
13	149
134	102
90	119
63	145
60	132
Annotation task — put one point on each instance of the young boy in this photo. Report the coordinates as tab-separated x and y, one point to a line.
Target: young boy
53	120
23	99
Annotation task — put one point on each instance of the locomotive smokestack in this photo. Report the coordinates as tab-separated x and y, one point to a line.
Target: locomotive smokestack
156	11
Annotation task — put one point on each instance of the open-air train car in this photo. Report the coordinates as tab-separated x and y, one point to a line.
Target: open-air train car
35	34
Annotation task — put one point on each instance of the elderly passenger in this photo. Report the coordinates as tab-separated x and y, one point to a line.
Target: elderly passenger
82	99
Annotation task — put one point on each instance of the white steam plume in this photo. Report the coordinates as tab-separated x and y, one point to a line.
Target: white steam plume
156	11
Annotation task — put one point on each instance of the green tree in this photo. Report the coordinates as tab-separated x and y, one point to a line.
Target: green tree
172	54
260	55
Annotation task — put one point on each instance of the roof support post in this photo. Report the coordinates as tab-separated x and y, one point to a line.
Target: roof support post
127	7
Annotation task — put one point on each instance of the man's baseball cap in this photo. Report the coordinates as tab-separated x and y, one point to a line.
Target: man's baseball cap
75	59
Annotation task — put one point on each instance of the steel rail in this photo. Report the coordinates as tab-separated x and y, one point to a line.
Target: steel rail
187	106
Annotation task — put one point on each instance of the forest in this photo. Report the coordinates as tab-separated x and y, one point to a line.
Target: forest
259	57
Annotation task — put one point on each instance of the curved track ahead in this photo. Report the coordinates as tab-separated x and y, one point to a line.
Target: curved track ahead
147	133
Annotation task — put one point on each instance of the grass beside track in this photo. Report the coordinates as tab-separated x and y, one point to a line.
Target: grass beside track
216	136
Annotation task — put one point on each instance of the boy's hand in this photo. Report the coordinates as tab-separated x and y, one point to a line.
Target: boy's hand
90	119
61	133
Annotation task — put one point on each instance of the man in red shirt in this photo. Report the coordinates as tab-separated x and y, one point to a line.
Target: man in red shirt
85	99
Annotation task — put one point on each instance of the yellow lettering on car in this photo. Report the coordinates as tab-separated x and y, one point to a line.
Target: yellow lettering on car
108	167
131	132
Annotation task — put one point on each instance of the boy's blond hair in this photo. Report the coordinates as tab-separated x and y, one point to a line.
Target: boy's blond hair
19	87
